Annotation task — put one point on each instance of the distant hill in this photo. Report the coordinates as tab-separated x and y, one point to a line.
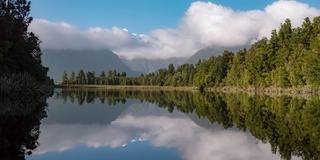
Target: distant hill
152	65
87	60
206	53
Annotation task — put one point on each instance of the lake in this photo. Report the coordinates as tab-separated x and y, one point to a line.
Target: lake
101	124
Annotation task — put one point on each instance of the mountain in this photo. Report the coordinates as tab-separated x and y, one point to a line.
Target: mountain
151	65
206	53
87	60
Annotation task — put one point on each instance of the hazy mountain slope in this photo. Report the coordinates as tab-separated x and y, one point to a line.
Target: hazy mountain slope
87	60
206	53
152	65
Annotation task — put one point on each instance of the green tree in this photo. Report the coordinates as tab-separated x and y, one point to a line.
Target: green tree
114	73
171	69
311	65
101	80
316	26
65	79
19	49
236	71
284	42
103	74
272	49
91	78
257	66
72	79
306	34
110	74
161	76
123	74
300	42
81	77
279	77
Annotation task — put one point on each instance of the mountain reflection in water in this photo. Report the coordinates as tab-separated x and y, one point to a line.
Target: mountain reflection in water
193	125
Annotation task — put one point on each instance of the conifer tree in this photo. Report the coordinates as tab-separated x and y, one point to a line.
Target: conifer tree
19	49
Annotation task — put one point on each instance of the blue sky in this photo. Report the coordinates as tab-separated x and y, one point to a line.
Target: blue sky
140	16
161	28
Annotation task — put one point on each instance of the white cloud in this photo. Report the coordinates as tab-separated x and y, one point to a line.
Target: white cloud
65	36
204	24
294	10
212	24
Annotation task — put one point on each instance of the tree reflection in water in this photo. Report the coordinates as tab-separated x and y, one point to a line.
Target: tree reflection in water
290	124
19	127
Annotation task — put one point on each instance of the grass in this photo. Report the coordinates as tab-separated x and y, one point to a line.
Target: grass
19	86
128	87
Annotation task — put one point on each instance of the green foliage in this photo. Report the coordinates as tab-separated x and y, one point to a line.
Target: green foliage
19	86
123	74
257	63
72	79
81	78
171	69
311	65
65	79
91	78
287	59
213	71
279	77
237	69
19	49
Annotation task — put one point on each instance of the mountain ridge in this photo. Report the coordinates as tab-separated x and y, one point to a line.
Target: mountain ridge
206	53
59	61
151	65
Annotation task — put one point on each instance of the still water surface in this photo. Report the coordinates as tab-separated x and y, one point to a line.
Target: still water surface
101	124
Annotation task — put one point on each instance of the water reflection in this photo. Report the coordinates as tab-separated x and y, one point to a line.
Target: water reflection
152	124
19	126
251	127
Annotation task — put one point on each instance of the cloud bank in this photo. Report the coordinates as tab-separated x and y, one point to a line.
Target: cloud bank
204	24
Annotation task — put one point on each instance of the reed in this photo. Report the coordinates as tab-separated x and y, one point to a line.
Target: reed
19	86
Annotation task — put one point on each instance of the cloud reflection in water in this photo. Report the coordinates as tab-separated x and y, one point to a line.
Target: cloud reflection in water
180	132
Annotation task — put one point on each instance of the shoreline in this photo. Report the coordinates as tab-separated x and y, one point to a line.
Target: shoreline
185	88
304	91
269	91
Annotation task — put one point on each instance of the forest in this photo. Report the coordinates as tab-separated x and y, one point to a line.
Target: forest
289	58
21	73
19	49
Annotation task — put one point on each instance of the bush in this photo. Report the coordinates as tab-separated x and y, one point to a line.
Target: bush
19	86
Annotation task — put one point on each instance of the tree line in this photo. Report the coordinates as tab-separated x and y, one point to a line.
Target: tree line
289	58
112	78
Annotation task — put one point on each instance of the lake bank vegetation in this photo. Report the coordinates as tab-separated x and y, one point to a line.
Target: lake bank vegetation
289	61
17	86
21	68
129	87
